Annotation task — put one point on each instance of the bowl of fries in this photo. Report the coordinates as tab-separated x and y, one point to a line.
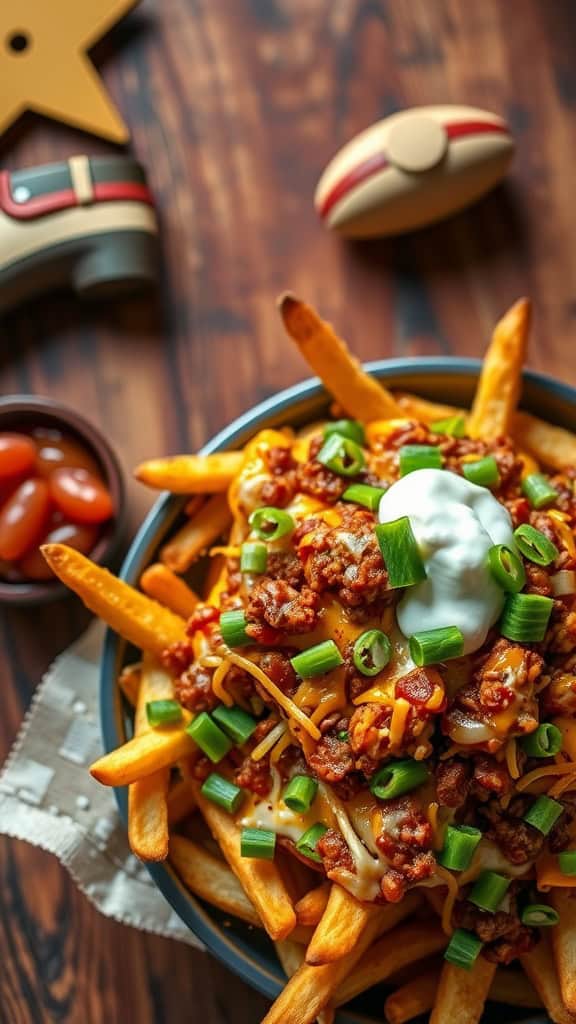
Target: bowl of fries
273	919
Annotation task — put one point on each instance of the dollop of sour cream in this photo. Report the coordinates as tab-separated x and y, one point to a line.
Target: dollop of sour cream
455	524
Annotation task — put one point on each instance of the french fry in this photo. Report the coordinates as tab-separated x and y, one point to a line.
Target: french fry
564	944
190	474
514	988
144	755
540	968
147	803
129	681
310	908
159	582
339	928
461	994
211	879
417	996
139	619
291	956
328	356
181	802
500	381
260	878
404	945
551	445
205	526
296	875
423	409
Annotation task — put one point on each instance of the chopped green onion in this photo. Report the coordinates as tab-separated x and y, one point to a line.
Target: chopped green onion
253	556
209	737
306	845
257	842
463	949
535	545
452	426
400	553
489	890
300	793
220	791
163	712
539	915
233	628
525	617
343	735
539	491
484	472
346	428
271	523
460	842
364	494
341	455
419	456
543	814
434	645
317	660
506	568
236	722
371	652
545	741
567	862
398	777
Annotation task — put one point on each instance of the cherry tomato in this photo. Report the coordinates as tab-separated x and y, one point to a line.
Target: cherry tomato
34	566
55	451
17	455
23	519
80	496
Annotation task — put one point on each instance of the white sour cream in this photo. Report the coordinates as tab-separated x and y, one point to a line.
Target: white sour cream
455	524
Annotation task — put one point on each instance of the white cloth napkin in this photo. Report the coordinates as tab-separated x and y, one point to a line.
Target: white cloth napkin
48	798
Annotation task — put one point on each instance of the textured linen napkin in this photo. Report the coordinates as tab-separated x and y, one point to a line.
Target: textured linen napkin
48	798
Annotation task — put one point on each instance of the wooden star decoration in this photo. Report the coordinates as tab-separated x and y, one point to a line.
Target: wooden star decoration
44	64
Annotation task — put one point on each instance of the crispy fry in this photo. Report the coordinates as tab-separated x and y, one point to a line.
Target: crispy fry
552	446
190	474
211	879
461	994
129	681
147	805
328	356
181	802
291	956
501	377
564	944
310	908
137	618
423	409
338	930
159	582
404	945
197	534
144	755
513	988
260	878
540	968
417	995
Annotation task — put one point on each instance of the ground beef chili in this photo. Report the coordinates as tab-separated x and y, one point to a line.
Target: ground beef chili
283	608
194	689
504	935
334	852
405	840
519	842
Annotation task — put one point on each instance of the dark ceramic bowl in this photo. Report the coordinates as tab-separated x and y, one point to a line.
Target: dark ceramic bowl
244	950
19	412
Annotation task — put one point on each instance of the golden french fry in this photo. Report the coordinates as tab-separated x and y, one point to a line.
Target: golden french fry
190	474
461	994
144	755
205	526
181	802
211	879
339	928
311	906
328	356
129	681
424	410
540	968
137	618
291	956
159	582
404	945
500	381
417	996
514	988
147	804
260	879
564	944
552	446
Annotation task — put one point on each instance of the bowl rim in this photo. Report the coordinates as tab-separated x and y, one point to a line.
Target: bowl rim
39	591
161	516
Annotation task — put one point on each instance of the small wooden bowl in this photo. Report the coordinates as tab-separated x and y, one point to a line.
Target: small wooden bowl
19	412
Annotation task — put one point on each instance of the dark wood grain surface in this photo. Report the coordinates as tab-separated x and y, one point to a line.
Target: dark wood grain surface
235	106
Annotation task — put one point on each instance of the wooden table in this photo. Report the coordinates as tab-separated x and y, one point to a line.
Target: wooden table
235	107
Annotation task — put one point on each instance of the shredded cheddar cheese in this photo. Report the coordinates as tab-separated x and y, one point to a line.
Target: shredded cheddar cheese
567	768
218	683
287	705
400	713
228	550
562	785
280	747
563	530
451	897
269	741
512	759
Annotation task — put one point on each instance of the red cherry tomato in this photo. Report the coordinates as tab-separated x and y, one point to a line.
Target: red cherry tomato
23	519
17	455
80	496
55	451
34	566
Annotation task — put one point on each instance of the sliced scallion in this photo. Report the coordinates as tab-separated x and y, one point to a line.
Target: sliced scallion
484	472
460	842
452	426
489	890
271	523
306	844
419	456
341	455
400	553
346	428
543	814
259	843
525	617
236	722
371	652
506	568
545	741
535	545
300	793
398	777
163	712
220	791
233	628
434	645
463	949
567	862
317	660
539	915
209	737
253	556
539	491
365	495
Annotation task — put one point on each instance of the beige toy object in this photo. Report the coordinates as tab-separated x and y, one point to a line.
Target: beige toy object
45	67
412	169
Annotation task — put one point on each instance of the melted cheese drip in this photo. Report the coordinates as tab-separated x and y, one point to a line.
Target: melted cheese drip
272	814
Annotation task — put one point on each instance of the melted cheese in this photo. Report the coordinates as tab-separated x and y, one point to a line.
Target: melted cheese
269	741
489	857
272	814
400	713
244	491
567	768
218	683
287	705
